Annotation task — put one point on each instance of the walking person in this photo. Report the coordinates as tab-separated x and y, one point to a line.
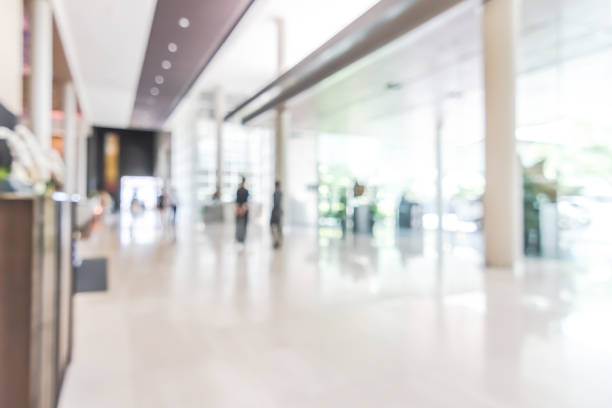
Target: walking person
173	201
242	211
136	210
136	207
276	226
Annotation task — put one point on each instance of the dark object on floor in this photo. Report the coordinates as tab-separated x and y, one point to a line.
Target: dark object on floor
91	276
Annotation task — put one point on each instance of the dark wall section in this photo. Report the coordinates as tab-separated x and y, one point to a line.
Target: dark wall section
136	156
137	153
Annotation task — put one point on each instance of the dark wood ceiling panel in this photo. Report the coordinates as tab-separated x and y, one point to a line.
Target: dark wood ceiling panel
209	24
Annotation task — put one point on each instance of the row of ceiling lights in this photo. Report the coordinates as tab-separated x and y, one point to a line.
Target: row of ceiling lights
166	64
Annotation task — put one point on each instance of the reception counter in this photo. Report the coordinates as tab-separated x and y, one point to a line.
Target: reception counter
36	287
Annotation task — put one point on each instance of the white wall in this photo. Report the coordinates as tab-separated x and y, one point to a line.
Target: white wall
183	164
163	159
11	54
246	151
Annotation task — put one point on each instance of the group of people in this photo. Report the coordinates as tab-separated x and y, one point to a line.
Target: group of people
242	214
165	205
167	208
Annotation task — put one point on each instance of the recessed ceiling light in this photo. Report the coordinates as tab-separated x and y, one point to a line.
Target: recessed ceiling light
172	47
184	22
159	79
166	64
154	91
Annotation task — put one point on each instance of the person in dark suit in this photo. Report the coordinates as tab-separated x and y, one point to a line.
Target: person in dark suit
242	211
276	216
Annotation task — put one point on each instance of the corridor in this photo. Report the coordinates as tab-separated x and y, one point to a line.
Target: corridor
441	172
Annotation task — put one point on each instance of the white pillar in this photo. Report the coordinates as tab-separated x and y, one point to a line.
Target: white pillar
219	111
281	46
280	138
82	137
193	137
70	139
439	182
11	50
501	198
281	121
41	86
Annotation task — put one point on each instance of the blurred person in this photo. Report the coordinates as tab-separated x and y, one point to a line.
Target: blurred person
276	216
242	211
106	202
162	204
136	207
173	205
136	210
343	210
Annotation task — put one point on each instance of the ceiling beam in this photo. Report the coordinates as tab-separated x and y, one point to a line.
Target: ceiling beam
383	23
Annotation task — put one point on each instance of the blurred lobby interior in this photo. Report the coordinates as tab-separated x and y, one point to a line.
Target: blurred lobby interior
446	178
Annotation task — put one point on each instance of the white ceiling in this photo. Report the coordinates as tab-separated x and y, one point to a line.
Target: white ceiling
248	60
105	42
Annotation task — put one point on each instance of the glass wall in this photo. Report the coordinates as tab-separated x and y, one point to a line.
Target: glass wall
364	175
184	165
395	165
564	96
247	151
564	127
379	121
463	165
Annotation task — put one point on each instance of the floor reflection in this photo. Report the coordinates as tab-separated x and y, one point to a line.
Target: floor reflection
145	228
334	322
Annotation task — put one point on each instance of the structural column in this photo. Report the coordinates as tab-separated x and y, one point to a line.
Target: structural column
83	134
281	120
11	49
501	196
219	108
41	85
439	182
280	136
70	139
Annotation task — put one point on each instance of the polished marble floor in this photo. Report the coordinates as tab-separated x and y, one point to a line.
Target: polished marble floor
193	320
